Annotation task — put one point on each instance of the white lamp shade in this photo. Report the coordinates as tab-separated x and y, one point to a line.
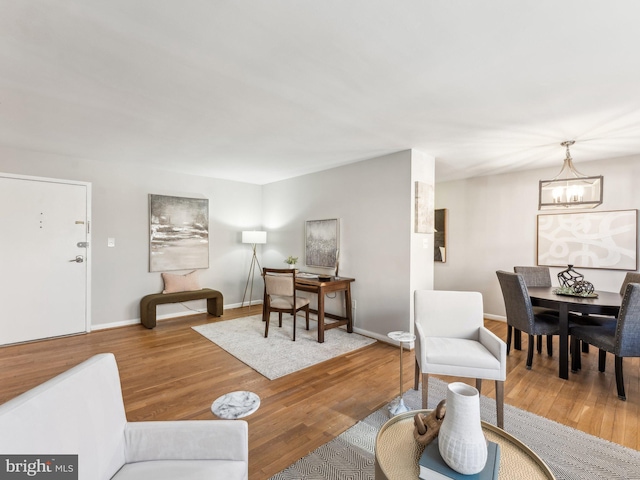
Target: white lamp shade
254	236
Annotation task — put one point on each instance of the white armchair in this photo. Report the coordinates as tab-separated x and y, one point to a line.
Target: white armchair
81	412
451	339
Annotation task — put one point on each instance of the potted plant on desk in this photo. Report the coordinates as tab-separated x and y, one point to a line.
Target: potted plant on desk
291	261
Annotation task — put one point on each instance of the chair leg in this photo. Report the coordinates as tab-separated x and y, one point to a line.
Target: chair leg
425	390
280	319
585	347
550	345
307	316
416	375
602	360
530	353
295	316
517	339
509	334
500	403
575	354
479	385
266	326
620	379
539	343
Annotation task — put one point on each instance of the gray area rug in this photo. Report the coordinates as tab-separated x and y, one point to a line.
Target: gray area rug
278	355
569	453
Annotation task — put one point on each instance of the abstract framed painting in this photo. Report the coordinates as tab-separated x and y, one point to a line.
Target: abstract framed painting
322	243
605	240
178	233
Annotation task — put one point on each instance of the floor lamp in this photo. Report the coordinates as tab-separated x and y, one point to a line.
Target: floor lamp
252	237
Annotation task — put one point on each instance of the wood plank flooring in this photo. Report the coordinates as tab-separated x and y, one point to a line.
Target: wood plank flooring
172	372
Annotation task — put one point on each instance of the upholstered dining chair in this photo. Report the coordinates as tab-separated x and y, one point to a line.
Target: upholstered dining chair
601	320
520	313
451	339
630	277
538	277
621	338
535	276
280	296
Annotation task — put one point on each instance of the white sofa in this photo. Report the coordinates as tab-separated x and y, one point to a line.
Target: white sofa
81	412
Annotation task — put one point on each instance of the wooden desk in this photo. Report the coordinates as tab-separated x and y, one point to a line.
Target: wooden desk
607	303
336	284
397	453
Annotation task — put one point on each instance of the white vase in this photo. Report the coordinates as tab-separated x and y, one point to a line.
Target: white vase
461	441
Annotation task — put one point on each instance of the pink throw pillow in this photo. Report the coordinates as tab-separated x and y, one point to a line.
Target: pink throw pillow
180	283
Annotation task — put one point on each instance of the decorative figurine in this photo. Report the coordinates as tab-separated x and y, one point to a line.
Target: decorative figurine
427	426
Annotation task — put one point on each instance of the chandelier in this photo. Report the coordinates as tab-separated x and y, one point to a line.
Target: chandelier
570	188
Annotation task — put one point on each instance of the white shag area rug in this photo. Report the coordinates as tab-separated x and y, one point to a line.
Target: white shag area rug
278	355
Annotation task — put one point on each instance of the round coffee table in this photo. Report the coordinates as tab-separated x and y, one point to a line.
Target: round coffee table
235	405
397	453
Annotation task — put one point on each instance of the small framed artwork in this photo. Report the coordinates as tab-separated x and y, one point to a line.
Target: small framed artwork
322	243
606	240
440	235
178	233
423	208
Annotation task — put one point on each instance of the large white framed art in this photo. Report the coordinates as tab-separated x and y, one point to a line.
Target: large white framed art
606	240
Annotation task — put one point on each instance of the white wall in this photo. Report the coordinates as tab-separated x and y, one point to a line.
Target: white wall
120	275
373	200
492	226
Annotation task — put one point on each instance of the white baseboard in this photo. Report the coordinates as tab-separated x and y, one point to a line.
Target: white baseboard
381	338
499	318
188	311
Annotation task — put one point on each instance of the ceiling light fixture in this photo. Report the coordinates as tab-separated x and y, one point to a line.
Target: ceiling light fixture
570	188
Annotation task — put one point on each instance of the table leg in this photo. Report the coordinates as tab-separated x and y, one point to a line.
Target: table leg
401	369
564	341
347	298
399	407
320	315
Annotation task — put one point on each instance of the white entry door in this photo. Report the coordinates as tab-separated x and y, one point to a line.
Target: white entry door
44	270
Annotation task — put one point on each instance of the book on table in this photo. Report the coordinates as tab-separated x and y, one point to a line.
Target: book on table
433	466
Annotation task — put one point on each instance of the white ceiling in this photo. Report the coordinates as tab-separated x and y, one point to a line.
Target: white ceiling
262	90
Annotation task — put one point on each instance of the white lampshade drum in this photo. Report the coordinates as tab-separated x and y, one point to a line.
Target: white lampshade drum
254	237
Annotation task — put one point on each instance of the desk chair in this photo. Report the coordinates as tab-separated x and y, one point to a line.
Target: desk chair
280	296
451	339
621	338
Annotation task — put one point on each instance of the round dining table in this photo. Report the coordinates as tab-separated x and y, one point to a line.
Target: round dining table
606	303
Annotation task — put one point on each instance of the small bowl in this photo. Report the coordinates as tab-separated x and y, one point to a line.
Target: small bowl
324	278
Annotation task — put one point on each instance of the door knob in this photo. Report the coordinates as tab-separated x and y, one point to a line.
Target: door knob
78	259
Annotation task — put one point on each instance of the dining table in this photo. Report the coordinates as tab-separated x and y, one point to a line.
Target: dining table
603	303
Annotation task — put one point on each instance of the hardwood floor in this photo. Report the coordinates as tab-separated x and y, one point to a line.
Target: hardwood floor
172	372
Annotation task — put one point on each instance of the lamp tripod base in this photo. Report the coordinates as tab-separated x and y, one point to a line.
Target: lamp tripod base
397	407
